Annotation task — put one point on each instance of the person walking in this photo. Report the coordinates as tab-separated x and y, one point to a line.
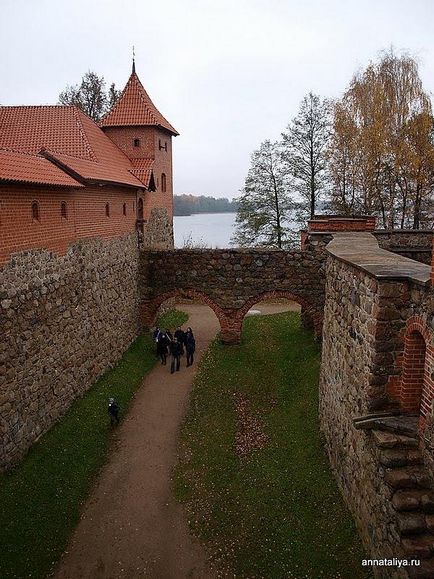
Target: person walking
190	346
113	410
163	347
175	350
156	336
180	336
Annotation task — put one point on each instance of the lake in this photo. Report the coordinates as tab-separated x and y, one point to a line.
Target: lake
209	229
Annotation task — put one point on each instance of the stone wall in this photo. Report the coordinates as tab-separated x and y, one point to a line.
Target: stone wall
158	231
231	281
411	243
64	320
374	300
348	385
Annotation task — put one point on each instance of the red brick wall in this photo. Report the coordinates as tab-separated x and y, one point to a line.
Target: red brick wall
150	138
124	137
86	216
417	384
163	164
337	223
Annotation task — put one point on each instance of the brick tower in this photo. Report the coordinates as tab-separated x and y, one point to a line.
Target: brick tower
136	126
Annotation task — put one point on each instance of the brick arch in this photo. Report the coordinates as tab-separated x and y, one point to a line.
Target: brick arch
416	385
150	307
307	309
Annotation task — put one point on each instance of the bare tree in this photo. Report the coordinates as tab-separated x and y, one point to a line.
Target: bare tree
305	149
90	95
264	206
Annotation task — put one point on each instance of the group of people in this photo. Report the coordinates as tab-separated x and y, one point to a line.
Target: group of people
175	345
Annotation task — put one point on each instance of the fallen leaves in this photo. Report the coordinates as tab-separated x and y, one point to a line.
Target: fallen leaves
250	434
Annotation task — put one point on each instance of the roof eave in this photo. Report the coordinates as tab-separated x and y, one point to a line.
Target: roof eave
173	132
41	184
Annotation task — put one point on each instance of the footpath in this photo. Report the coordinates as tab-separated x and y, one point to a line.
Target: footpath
132	527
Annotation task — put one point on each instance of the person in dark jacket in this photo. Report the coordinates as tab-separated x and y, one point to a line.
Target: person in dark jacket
180	336
113	410
190	346
155	336
175	350
163	347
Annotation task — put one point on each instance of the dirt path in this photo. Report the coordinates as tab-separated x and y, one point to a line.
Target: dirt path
132	527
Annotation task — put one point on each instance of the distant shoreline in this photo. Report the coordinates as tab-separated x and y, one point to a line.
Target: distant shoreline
204	213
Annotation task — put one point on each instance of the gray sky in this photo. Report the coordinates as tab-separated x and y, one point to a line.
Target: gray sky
226	73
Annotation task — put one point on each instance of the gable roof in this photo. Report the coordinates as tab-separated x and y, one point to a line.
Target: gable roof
135	108
68	138
34	169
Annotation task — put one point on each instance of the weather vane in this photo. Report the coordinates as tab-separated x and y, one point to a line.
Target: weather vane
134	60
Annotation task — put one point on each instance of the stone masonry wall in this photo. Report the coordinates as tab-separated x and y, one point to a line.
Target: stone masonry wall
231	281
158	232
350	381
413	243
64	320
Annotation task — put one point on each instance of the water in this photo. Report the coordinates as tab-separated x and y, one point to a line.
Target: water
206	229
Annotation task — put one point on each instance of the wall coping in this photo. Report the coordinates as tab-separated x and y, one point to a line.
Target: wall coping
374	232
363	252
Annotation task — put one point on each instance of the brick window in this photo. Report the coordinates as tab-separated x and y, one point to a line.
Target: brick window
124	209
64	210
161	146
107	209
36	214
163	182
137	142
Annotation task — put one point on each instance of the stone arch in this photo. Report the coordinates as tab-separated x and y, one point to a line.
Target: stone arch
417	385
150	307
308	311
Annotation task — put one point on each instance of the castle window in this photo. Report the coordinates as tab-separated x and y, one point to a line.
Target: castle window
163	182
137	142
107	209
64	210
160	146
35	211
124	209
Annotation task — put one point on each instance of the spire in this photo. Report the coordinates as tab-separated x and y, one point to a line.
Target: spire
134	62
134	108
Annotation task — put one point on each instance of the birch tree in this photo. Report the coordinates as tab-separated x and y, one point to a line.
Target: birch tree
264	206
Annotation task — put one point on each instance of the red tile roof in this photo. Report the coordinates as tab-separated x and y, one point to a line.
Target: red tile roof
135	108
32	169
142	169
70	138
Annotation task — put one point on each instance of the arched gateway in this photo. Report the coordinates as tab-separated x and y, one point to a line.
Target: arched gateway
232	281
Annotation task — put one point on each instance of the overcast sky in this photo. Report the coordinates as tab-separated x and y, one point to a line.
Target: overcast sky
227	74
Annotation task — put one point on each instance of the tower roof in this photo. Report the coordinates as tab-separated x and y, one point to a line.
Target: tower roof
135	108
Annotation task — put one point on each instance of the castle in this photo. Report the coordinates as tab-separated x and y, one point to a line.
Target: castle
64	178
76	289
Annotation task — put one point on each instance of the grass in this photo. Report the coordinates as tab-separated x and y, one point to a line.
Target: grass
277	513
172	319
41	499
